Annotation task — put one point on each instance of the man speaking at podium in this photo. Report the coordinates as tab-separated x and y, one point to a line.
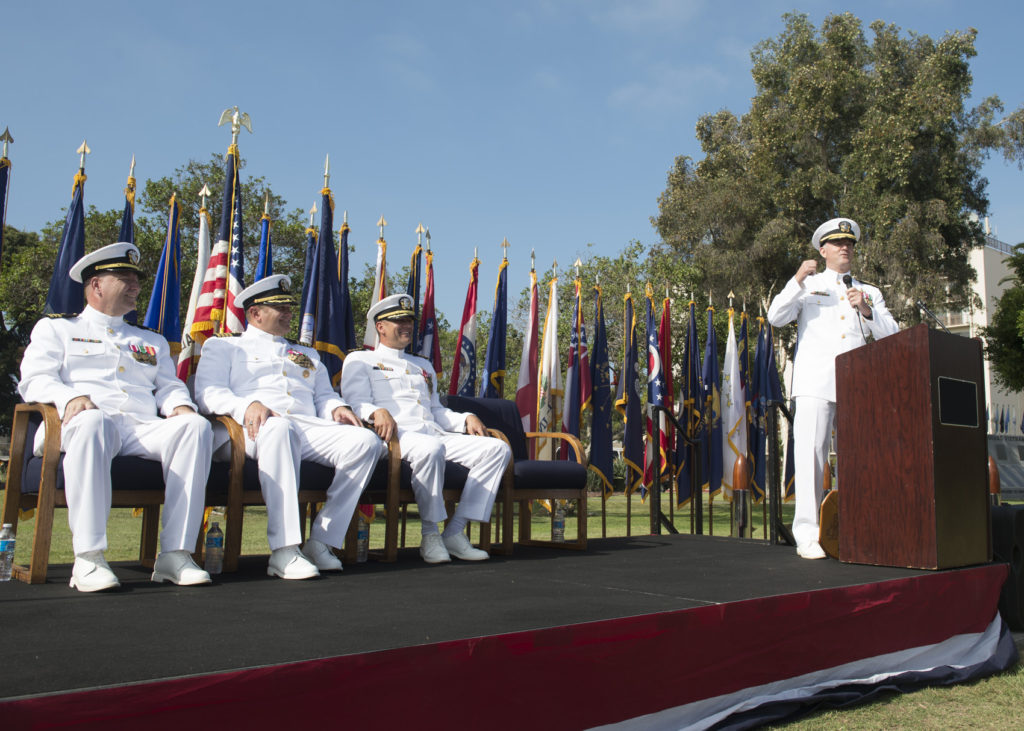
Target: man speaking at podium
834	313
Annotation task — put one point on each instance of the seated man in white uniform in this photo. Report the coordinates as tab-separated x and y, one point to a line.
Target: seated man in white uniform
395	390
281	394
834	312
110	381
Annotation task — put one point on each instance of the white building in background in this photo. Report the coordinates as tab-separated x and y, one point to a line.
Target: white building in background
989	264
1005	445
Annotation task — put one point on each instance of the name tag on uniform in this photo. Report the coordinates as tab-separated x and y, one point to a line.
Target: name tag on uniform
145	355
300	359
85	340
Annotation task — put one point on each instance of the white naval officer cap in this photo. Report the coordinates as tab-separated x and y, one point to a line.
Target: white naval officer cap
121	256
394	307
274	291
838	229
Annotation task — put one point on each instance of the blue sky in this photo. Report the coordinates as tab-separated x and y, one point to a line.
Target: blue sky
552	123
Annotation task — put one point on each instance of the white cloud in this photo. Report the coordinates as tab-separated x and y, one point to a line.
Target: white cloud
667	88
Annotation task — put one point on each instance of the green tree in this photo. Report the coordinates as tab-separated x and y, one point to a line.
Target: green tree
877	131
1004	337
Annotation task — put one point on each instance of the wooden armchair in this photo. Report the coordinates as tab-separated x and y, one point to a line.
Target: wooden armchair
531	479
38	483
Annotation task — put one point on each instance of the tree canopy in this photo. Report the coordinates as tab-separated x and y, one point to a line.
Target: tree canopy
877	130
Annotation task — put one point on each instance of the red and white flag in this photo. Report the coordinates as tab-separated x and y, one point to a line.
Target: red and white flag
188	358
380	285
526	389
549	390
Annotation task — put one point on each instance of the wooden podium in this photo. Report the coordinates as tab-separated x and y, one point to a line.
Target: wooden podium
912	452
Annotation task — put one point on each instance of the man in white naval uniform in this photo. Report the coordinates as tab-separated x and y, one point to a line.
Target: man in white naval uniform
832	317
394	390
110	381
282	396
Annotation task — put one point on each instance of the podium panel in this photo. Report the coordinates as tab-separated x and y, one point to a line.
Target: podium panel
912	452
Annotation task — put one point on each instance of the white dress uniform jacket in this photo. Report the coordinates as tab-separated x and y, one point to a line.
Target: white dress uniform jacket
290	380
129	375
826	326
406	386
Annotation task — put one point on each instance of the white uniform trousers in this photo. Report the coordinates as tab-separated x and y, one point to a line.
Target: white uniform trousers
812	433
182	444
486	458
281	445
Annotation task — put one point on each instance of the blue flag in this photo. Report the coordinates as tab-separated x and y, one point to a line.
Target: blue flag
768	388
127	233
627	401
601	401
713	410
65	295
265	262
413	290
343	311
163	312
577	374
324	311
492	382
757	410
690	399
5	176
307	268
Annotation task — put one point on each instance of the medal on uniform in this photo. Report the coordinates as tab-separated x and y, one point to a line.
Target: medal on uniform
145	354
430	384
300	359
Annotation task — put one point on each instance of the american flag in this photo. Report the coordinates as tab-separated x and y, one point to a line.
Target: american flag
234	317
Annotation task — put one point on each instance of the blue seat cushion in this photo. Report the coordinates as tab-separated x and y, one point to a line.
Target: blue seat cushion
550	476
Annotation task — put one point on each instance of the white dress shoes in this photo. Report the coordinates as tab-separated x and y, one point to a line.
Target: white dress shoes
810	550
289	563
91	573
458	545
321	555
432	549
178	568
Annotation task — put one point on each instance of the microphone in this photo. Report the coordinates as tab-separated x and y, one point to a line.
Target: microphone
921	306
848	282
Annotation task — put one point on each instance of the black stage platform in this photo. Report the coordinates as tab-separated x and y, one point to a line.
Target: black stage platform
56	640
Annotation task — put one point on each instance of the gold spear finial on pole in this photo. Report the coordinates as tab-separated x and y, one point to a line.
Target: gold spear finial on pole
731	296
327	171
554	268
204	192
504	248
427	234
6	137
381	224
419	234
312	212
533	260
266	203
82	150
131	168
577	264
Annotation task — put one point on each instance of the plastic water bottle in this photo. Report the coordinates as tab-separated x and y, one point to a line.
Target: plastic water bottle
214	563
6	551
363	539
558	524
